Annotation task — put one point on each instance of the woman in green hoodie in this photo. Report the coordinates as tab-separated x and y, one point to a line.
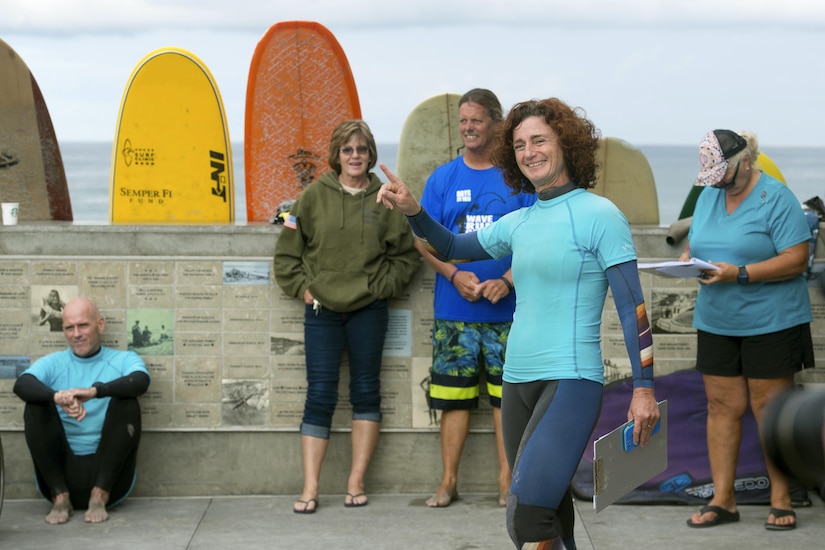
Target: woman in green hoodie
344	255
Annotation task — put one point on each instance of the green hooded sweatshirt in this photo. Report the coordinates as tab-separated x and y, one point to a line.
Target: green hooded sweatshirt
346	249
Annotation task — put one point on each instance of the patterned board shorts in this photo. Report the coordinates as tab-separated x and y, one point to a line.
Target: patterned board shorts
460	349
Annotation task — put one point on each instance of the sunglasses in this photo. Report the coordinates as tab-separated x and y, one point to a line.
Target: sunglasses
362	150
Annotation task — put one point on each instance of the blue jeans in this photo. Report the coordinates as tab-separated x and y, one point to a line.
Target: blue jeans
326	335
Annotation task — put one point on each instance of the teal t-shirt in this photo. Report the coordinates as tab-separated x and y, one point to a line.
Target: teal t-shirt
64	370
769	220
561	249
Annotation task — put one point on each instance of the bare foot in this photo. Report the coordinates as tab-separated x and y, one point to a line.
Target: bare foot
61	510
442	498
96	513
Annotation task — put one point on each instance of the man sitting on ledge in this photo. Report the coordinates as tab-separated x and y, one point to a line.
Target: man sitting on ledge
82	418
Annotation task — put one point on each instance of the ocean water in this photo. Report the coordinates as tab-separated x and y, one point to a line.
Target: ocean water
674	168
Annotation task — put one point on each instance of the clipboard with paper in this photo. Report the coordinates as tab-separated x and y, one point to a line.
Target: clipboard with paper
677	269
619	467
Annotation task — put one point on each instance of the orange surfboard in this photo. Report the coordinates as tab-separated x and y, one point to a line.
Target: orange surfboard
31	167
300	88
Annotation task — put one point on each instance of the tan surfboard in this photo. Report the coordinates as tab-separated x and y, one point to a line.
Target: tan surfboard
31	167
429	138
624	176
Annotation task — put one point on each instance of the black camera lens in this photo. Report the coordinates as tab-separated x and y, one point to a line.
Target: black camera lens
792	431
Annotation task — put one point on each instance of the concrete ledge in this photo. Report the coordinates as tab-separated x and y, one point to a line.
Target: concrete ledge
173	464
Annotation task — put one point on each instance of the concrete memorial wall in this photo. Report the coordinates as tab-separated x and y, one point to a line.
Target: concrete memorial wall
224	347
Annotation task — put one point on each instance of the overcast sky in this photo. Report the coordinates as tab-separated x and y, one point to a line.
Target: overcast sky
647	71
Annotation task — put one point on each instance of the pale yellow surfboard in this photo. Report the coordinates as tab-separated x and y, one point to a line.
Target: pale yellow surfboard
624	176
171	158
430	137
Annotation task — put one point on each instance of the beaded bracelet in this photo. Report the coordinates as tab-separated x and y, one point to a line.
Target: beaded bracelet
452	277
508	283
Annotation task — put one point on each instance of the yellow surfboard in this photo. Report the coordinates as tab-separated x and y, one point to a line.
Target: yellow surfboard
171	158
624	176
429	138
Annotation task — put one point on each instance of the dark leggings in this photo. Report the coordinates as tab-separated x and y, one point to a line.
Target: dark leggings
546	426
59	470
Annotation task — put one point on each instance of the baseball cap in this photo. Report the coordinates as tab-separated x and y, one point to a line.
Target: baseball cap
715	149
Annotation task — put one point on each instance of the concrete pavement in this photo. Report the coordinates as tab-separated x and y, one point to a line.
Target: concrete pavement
398	521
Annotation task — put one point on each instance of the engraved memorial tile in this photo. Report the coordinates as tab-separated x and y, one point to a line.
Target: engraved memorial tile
286	414
197	380
160	391
197	415
288	366
199	273
246	320
14	296
246	367
14	272
288	319
674	346
204	297
151	296
246	343
197	320
395	368
45	343
157	415
198	343
289	391
14	331
103	282
151	273
160	367
247	297
54	272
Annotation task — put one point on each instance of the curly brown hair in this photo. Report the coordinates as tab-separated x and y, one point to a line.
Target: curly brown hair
578	139
342	134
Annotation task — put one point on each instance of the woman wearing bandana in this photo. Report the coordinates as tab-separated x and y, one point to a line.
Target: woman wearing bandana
752	314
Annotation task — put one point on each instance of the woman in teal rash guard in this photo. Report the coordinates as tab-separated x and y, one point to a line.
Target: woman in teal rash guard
567	248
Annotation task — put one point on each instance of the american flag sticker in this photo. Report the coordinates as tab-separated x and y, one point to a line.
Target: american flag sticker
290	222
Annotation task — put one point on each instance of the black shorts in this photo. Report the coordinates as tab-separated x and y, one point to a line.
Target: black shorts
772	355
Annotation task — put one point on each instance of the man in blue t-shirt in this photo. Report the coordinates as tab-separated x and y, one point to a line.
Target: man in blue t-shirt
82	418
474	303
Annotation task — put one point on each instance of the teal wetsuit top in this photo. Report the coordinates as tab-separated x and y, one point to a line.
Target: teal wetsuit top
562	248
64	370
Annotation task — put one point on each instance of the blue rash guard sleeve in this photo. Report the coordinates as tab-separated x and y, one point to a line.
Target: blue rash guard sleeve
638	337
444	242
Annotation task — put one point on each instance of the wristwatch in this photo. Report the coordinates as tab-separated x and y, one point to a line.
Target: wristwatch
743	276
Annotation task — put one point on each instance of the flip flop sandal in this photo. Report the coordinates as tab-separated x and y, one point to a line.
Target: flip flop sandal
352	503
722	517
780	513
306	509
